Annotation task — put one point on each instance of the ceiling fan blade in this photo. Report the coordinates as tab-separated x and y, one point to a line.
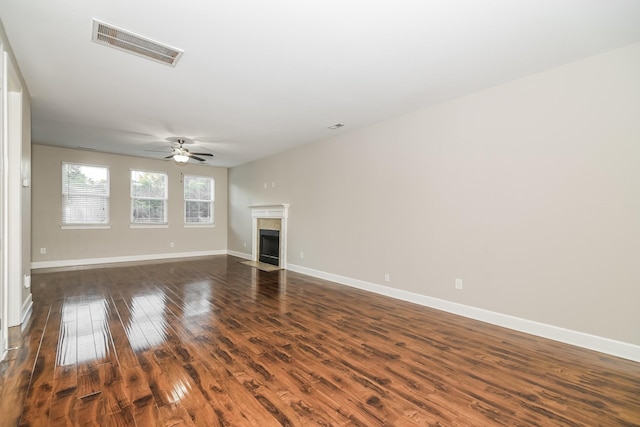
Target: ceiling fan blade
203	154
196	157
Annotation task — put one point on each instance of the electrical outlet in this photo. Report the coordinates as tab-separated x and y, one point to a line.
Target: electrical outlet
301	254
265	185
244	244
171	244
458	283
273	184
43	251
387	277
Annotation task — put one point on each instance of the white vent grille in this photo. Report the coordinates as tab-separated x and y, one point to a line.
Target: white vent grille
119	38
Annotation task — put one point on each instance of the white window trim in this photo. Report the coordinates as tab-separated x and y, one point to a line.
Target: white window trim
87	226
211	224
152	224
200	225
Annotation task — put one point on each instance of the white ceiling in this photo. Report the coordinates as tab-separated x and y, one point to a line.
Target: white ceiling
258	77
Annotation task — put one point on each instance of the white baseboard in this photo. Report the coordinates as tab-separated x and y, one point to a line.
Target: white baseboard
580	339
240	254
132	258
27	309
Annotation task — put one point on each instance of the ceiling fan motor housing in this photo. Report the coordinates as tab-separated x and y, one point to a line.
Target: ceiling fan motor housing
183	153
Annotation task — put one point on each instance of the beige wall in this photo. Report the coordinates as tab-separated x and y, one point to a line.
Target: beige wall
120	240
528	191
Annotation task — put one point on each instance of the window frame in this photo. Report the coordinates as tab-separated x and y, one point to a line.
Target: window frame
84	225
136	224
211	201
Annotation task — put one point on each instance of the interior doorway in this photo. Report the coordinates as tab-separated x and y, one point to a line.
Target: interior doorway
12	198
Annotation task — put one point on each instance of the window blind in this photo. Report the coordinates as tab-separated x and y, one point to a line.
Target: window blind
148	197
198	199
85	194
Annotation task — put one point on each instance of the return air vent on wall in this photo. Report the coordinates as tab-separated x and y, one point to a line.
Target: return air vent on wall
110	35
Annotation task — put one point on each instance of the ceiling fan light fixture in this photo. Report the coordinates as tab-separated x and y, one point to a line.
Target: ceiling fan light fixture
181	158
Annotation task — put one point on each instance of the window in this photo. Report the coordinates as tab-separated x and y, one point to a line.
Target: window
148	197
85	194
198	200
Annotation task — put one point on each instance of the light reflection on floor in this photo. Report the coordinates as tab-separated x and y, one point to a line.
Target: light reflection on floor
85	336
197	297
147	324
84	331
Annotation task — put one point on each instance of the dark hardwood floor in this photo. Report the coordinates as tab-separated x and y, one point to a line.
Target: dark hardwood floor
212	342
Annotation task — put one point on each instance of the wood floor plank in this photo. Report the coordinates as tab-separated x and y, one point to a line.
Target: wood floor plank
219	395
211	342
138	393
17	371
38	398
90	411
65	393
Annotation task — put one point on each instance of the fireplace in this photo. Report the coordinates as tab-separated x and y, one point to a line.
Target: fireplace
272	219
270	247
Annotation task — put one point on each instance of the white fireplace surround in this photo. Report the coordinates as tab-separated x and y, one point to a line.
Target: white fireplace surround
278	211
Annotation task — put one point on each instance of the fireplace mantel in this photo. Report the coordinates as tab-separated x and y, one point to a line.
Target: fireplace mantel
270	211
276	211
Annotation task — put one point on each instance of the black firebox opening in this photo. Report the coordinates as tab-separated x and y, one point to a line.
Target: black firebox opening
270	246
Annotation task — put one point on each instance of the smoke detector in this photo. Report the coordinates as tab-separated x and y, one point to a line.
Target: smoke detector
118	38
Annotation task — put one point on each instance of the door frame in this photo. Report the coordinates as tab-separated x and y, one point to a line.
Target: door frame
4	288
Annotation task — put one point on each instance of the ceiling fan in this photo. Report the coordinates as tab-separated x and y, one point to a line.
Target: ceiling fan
182	155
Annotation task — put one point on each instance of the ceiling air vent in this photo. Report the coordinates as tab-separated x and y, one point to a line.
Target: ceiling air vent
110	35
